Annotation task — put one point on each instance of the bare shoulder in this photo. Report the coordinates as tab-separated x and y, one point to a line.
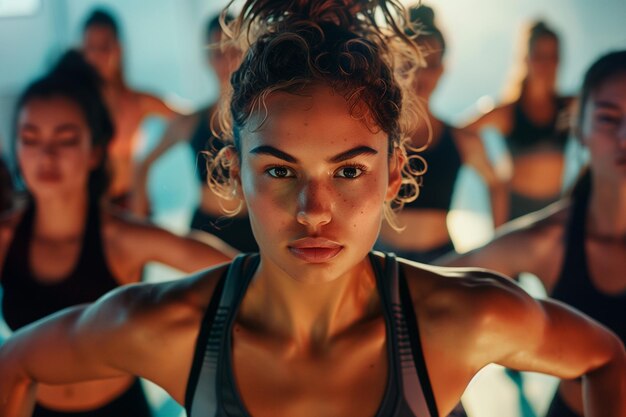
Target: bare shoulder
152	104
166	303
498	117
462	314
153	323
446	292
164	311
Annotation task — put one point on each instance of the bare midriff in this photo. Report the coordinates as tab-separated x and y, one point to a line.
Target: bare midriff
538	175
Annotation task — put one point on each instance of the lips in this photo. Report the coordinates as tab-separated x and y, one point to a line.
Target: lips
49	176
315	250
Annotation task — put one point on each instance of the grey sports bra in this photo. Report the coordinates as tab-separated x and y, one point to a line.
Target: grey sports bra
211	389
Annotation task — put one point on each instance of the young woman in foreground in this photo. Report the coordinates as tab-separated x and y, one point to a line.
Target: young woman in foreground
577	247
316	325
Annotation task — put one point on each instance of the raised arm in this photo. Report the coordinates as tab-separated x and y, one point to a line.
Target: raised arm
148	243
474	155
499	118
147	330
532	243
549	337
178	130
70	346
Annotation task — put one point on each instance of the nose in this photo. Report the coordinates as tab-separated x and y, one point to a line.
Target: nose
50	150
314	205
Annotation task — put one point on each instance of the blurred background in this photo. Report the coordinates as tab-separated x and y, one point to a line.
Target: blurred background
164	55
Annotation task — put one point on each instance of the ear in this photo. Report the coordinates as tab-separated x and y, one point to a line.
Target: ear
396	162
234	171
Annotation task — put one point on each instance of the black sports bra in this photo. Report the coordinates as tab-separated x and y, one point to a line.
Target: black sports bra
211	389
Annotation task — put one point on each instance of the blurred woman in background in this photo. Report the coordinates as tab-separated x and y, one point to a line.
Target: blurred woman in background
63	246
198	130
534	124
425	234
577	246
128	108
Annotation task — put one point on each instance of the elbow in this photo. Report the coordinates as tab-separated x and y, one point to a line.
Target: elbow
610	365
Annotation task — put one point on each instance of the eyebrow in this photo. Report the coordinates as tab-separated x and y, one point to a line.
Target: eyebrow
606	104
343	156
67	127
59	129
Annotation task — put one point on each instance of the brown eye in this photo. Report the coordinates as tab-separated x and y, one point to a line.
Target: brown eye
280	172
349	172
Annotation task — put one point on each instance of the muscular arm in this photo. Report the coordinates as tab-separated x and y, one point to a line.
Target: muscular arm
149	243
148	330
71	346
474	318
532	244
549	337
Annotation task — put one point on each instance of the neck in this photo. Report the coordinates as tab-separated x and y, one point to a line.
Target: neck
607	209
116	83
61	217
538	91
309	315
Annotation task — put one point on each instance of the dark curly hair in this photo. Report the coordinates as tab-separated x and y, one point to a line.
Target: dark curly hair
102	17
338	43
73	78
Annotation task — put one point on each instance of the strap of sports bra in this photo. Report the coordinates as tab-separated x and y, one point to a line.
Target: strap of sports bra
407	376
205	398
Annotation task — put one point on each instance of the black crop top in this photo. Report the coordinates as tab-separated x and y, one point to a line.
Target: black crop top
444	163
526	137
26	300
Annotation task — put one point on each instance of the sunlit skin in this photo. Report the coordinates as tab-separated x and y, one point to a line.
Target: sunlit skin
338	200
309	338
56	156
603	131
538	173
128	107
181	129
432	223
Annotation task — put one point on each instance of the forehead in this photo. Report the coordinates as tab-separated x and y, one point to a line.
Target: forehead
51	111
319	120
544	44
99	33
610	93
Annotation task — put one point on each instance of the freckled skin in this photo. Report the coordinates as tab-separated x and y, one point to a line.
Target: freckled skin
274	203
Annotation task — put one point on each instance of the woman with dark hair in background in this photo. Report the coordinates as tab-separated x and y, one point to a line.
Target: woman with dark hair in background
64	247
103	50
316	324
424	235
198	130
577	246
535	126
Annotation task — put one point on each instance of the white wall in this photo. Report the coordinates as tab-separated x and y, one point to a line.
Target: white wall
164	51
